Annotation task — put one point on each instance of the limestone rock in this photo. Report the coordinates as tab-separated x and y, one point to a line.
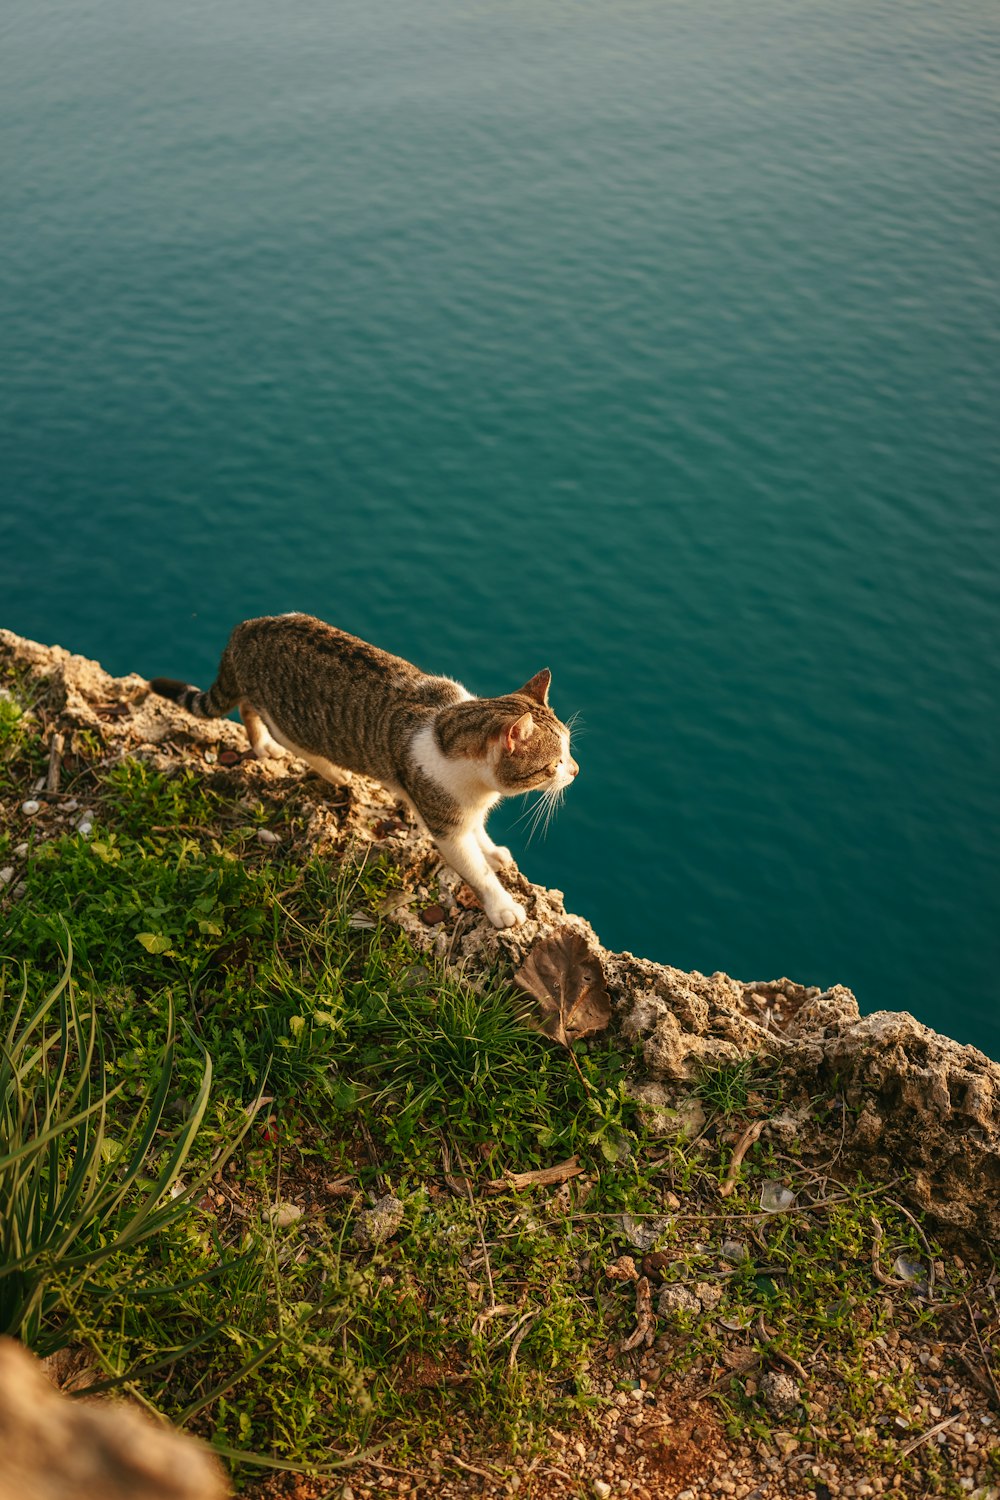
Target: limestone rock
52	1448
926	1103
676	1298
379	1223
779	1392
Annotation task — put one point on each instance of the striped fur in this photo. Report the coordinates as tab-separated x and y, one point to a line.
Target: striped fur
343	705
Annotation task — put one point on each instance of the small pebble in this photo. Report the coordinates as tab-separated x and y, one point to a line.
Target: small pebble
6	874
376	1225
21	850
30	807
266	836
283	1214
779	1392
602	1489
431	915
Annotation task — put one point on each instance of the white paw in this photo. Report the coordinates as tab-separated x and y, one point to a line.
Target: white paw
497	858
508	913
269	750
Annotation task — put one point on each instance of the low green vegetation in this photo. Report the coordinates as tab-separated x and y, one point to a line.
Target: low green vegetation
200	1241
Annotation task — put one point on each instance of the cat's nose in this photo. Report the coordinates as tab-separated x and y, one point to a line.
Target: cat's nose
574	769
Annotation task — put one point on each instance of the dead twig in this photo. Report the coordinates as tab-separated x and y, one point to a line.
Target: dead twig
746	1140
790	1361
55	762
985	1383
982	1351
926	1436
518	1332
644	1322
881	1275
456	1185
500	1310
479	1227
728	1375
923	1240
523	1329
452	1458
546	1177
373	1155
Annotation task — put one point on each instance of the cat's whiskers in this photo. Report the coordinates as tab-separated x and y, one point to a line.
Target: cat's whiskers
539	814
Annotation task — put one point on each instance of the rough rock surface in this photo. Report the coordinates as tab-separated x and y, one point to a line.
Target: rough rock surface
52	1448
379	1223
917	1106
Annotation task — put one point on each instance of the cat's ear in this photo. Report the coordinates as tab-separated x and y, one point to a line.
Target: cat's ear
518	732
538	687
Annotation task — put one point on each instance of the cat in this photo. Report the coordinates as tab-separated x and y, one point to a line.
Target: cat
342	705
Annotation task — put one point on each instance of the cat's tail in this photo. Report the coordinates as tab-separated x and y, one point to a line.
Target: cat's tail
221	698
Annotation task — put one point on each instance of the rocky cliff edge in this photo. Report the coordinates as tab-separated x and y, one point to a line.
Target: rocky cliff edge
914	1107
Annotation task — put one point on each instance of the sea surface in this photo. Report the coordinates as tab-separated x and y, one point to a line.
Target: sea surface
653	341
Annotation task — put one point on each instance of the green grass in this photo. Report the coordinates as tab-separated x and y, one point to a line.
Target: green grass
72	1190
311	1348
382	1072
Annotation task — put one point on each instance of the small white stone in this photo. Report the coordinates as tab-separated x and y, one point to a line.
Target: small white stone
283	1214
602	1489
266	836
30	807
676	1298
775	1198
21	851
6	874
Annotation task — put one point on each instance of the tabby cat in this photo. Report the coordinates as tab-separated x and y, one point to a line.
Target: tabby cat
342	706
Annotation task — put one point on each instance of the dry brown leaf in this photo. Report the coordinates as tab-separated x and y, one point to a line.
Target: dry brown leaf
566	978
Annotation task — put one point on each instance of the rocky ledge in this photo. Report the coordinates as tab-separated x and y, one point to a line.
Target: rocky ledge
914	1107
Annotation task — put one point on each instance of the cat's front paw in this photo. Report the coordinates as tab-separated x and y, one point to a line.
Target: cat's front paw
496	858
506	913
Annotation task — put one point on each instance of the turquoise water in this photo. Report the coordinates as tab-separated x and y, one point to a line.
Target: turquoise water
653	342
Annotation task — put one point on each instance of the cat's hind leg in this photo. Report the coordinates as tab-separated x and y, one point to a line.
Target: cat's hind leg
262	743
269	735
326	768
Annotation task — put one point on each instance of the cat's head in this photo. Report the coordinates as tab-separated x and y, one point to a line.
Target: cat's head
517	741
528	747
